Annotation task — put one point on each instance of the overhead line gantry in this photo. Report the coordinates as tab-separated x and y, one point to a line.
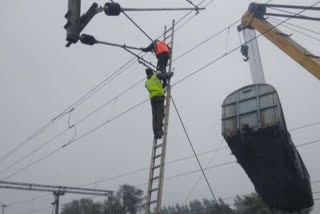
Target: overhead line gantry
57	191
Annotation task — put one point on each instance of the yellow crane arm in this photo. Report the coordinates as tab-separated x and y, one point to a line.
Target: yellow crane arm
253	18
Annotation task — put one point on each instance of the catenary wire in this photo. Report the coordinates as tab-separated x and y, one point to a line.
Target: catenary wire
124	13
281	10
193	15
307	35
65	112
297	26
76	123
205	41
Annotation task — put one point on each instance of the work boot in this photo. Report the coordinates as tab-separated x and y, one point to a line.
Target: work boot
159	134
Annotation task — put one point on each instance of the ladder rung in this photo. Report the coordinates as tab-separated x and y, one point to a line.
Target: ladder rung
156	167
167	37
155	189
157	156
157	146
151	202
155	178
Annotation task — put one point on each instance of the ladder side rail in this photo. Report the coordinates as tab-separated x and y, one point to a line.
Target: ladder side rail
172	39
165	33
151	174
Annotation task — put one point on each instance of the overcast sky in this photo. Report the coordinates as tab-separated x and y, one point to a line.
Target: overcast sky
40	78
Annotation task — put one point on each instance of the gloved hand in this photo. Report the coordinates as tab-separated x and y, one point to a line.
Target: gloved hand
143	49
169	74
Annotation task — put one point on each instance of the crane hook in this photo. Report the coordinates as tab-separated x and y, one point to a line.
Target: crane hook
244	51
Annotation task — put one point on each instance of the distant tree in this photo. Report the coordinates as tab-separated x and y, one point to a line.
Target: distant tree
83	206
254	204
112	206
185	209
165	210
130	198
71	208
196	207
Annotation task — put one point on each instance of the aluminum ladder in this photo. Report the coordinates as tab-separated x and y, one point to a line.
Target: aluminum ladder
157	166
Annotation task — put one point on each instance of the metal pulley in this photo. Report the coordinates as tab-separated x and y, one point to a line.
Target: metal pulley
112	9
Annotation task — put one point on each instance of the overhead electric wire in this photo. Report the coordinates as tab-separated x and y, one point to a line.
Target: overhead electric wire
307	35
64	131
124	13
304	126
33	151
297	26
50	123
34	135
282	10
193	15
308	143
193	171
205	41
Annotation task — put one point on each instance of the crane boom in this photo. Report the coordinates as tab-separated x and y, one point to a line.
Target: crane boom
253	18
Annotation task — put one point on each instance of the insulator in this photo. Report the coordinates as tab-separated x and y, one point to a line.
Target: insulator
112	9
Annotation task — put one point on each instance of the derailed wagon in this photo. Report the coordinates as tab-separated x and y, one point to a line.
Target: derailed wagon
254	127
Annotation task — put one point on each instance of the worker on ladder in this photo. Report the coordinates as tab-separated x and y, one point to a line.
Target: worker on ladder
162	51
156	94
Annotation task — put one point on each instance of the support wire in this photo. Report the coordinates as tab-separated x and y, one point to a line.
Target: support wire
202	170
136	24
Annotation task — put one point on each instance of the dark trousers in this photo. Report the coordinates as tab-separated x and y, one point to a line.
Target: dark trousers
162	62
157	104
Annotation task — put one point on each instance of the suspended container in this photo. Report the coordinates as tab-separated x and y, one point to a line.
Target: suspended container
254	127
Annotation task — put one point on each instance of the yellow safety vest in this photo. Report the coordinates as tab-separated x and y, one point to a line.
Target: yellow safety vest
154	86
